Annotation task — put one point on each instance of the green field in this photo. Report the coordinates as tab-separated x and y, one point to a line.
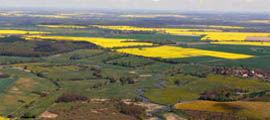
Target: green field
5	83
191	87
38	73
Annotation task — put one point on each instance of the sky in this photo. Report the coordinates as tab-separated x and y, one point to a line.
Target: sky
178	5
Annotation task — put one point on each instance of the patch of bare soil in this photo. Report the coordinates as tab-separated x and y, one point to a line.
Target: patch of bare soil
48	115
153	118
145	75
57	55
18	68
22	69
27	71
171	116
99	110
132	72
94	111
15	90
98	100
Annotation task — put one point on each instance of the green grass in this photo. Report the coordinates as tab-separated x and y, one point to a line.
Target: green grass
79	54
191	87
132	61
182	114
13	59
70	75
41	105
5	83
260	62
19	95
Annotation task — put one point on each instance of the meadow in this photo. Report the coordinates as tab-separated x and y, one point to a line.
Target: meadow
190	87
162	59
5	83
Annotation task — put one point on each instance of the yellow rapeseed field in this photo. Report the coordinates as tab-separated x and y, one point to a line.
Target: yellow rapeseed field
21	32
5	14
226	27
103	42
1	36
243	43
165	52
232	36
62	26
168	52
153	16
3	118
259	21
258	110
225	36
165	30
210	34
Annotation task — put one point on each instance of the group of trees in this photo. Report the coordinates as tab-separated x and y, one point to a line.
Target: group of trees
131	109
123	80
40	93
100	84
224	94
16	46
70	97
97	72
130	64
127	80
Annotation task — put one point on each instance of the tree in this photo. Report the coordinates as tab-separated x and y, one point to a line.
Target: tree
177	82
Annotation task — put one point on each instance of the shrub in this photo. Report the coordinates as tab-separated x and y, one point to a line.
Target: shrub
68	97
28	115
223	94
2	75
132	110
41	94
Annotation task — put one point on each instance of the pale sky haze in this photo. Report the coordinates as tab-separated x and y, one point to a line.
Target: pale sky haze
181	5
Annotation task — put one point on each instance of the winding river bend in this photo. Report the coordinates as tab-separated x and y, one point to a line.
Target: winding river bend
145	99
